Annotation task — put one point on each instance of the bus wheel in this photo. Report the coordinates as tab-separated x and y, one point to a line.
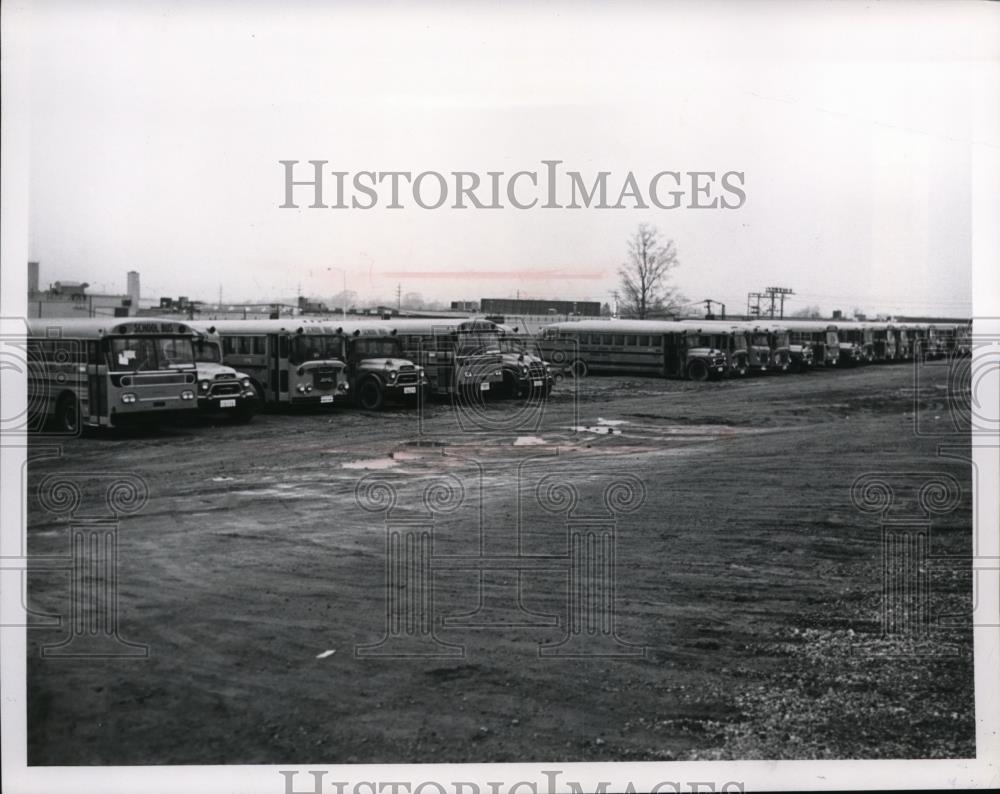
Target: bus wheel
370	394
509	386
698	371
68	414
579	369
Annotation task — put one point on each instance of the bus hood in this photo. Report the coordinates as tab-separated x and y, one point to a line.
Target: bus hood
705	352
209	370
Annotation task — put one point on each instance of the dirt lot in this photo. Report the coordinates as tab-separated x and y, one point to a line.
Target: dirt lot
747	603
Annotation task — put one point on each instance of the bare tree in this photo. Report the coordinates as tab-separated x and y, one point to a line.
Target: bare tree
645	275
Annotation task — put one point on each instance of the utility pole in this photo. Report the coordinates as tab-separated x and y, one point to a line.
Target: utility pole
708	308
753	303
779	292
399	298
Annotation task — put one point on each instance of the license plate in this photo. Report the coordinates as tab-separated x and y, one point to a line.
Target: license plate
537	382
227	403
326	398
484	387
409	390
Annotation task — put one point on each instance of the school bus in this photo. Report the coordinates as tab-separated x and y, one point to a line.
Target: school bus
654	347
221	389
458	355
732	338
289	361
885	341
378	369
820	335
106	372
524	372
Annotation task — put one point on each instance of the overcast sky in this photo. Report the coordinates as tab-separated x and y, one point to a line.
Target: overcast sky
157	129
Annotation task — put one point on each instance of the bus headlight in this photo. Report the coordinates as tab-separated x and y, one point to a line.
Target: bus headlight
309	388
128	398
392	375
203	385
245	383
187	394
524	371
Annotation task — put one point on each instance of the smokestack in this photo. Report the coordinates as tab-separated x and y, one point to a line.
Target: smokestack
32	277
133	289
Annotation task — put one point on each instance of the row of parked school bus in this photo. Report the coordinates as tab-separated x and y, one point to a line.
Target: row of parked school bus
109	372
113	371
705	349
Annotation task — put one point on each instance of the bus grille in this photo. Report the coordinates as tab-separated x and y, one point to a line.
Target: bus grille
324	378
536	369
407	375
222	389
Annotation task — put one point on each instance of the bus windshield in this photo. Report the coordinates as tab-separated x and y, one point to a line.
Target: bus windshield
760	340
376	347
511	346
478	343
143	353
207	351
314	347
781	338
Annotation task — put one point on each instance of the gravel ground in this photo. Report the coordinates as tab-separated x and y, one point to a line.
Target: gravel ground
747	586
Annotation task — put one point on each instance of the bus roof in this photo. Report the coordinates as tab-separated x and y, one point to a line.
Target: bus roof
289	325
625	326
97	327
432	325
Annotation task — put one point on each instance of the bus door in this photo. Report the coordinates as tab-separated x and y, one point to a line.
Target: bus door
94	398
673	354
278	367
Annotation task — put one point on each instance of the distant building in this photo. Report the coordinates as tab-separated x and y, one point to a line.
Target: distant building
512	306
465	306
307	306
132	287
71	299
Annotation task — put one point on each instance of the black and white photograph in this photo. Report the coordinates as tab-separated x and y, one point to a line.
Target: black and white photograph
480	398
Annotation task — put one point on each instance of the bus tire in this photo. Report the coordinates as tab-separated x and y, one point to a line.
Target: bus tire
697	370
579	368
509	388
370	394
68	414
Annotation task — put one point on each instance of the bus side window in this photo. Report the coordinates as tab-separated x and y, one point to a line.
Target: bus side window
228	345
643	341
619	340
606	339
244	345
282	347
630	340
258	345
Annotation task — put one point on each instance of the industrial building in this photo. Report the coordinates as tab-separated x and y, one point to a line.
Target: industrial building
513	306
71	298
